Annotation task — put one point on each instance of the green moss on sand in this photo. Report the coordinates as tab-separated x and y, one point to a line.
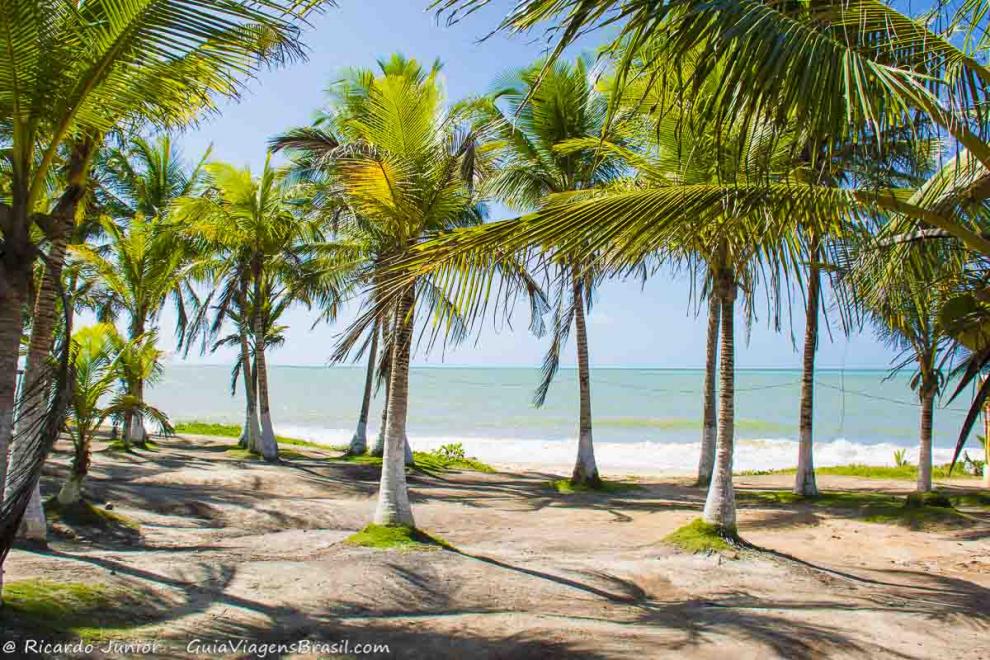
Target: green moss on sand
565	487
87	610
401	537
699	536
85	514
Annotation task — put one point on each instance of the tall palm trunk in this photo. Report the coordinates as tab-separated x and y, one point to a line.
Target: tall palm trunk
393	497
585	470
267	443
134	431
804	482
14	282
43	318
71	491
720	505
359	443
709	427
927	396
251	434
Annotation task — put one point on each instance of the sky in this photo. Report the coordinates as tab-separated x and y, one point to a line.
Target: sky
630	325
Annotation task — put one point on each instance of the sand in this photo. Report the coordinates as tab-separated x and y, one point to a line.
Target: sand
233	549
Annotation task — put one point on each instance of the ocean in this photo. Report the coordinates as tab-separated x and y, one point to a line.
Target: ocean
644	419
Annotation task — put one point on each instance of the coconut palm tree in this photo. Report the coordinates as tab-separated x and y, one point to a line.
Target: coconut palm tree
405	164
263	255
98	352
141	267
535	112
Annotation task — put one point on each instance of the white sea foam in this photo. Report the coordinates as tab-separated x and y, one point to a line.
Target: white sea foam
649	456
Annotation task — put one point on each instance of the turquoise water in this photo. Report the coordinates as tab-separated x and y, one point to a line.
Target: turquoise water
859	415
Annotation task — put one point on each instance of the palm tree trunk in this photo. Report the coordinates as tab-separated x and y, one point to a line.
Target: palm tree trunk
13	288
359	443
267	443
927	396
393	497
585	470
71	491
34	526
804	482
709	428
251	434
388	347
720	505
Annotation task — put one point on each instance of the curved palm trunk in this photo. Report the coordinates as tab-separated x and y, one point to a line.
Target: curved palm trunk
393	496
43	318
927	397
585	468
720	505
359	443
804	483
71	491
13	288
709	428
251	433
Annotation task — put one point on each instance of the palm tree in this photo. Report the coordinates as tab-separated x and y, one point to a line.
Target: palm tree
405	166
141	267
536	113
263	255
903	300
98	353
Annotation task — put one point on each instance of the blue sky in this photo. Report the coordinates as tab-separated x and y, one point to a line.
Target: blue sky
629	325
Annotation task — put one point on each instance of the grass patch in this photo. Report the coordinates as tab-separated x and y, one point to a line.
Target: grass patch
86	514
565	487
401	537
119	445
425	461
909	472
699	536
234	431
870	507
85	610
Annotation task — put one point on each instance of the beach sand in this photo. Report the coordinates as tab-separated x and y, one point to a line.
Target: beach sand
234	548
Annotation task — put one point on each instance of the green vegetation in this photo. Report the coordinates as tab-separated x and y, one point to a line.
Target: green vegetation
86	610
86	514
908	472
234	431
870	507
426	461
699	536
401	537
565	487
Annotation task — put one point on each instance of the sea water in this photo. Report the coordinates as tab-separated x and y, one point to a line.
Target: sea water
644	419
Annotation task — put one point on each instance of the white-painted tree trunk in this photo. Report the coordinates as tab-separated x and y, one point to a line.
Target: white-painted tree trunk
804	481
34	526
393	496
71	491
585	468
379	447
709	424
359	442
720	505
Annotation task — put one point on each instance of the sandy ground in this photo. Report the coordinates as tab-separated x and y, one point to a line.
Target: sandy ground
235	549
